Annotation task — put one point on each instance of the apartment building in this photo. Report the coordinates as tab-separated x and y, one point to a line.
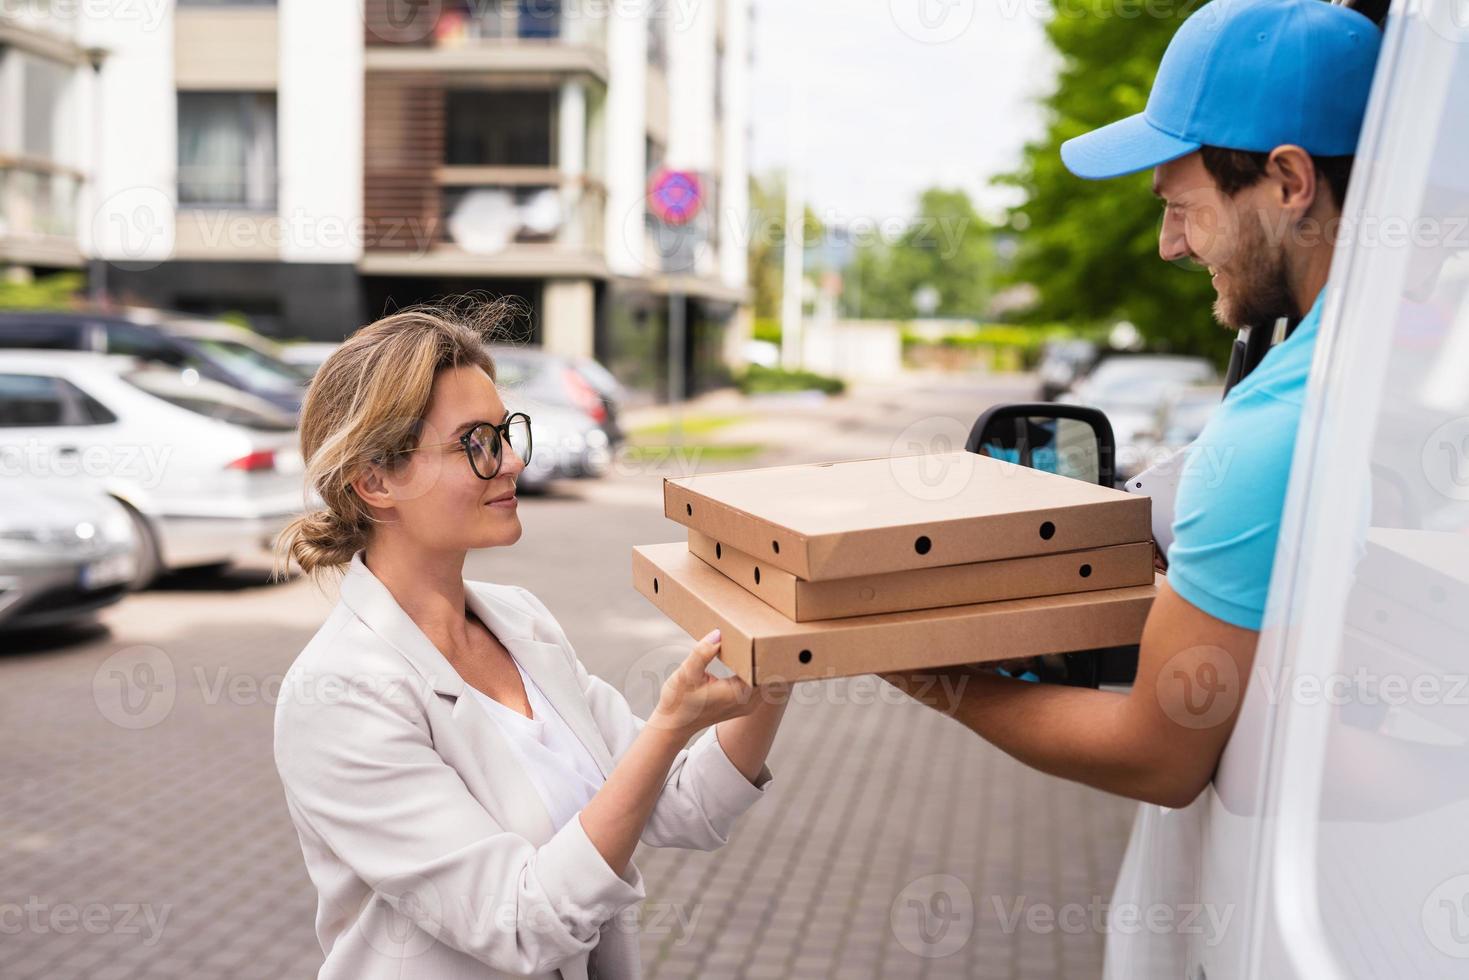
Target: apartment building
47	87
313	163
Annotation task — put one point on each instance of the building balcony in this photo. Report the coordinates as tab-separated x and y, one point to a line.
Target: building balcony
38	209
524	37
486	221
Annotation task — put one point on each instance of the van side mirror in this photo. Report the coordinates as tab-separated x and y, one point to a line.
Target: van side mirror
1071	440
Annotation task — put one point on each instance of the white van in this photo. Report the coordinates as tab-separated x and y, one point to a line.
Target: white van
1334	839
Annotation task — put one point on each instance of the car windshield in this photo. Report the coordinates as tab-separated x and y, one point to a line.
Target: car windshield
165	388
1142	381
255	367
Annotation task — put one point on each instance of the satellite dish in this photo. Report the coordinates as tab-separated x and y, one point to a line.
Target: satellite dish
484	222
541	215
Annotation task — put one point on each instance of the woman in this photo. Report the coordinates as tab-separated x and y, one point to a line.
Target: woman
467	795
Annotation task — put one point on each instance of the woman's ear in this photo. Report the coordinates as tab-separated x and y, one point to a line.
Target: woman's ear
371	487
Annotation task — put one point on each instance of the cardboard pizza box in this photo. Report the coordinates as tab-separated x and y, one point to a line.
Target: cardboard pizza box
1089	570
865	517
763	646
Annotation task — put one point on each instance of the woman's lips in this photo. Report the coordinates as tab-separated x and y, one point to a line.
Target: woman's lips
504	502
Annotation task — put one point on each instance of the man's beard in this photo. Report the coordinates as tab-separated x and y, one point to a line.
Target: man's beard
1256	292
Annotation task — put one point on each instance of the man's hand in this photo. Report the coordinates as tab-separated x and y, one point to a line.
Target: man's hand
1159	743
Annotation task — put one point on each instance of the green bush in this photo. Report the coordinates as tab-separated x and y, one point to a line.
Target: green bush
56	292
758	380
766	329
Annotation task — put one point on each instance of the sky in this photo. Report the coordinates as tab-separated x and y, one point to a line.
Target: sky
900	95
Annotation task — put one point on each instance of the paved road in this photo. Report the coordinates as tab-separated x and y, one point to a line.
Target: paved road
154	842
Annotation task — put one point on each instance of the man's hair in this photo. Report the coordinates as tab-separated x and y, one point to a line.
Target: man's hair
1234	170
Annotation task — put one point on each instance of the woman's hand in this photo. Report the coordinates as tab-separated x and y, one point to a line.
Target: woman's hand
693	698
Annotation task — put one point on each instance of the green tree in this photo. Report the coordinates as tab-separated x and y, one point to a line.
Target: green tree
767	243
1091	247
946	252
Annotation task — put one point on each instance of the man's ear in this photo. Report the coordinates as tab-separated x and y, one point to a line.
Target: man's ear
1293	173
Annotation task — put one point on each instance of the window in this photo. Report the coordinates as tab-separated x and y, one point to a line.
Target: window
658	34
31	400
539	19
505	128
41	335
227	153
44	84
137	342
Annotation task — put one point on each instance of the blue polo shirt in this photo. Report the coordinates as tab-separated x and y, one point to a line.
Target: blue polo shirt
1232	489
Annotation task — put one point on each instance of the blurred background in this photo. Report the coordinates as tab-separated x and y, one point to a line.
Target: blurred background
740	233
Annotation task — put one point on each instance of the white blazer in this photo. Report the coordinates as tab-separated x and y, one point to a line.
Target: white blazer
431	851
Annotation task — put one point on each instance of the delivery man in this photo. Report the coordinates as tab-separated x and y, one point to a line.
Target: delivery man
1250	130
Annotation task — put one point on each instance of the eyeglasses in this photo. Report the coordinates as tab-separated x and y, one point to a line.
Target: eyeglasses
484	444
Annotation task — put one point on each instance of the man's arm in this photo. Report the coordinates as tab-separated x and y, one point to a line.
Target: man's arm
1158	743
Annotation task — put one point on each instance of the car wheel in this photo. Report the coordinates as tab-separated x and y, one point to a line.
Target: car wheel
150	559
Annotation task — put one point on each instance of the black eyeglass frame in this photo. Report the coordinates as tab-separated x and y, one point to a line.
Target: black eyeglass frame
497	447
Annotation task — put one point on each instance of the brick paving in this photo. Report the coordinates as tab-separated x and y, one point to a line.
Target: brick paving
893	842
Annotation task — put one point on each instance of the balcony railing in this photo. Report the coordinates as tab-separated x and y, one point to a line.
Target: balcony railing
38	206
459	23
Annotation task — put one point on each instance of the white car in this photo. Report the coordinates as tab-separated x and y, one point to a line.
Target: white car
201	487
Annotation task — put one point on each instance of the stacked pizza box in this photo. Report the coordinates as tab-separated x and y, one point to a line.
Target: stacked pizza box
836	569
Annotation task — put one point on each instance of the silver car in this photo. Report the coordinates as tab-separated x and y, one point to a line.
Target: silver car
65	552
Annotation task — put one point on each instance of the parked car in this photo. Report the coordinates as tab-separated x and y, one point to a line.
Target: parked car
218	351
307	357
1063	364
580	384
1178	422
65	552
200	487
564	444
1131	388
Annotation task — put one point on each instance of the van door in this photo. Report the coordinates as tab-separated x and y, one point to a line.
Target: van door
1338	831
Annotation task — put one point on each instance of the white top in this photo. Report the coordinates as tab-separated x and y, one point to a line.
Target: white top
561	767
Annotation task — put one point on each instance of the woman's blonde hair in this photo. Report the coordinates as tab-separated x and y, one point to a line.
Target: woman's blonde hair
366	405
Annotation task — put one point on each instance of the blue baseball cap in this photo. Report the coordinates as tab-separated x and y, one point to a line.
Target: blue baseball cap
1245	75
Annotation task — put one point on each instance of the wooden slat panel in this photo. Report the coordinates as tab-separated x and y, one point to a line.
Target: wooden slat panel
404	146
